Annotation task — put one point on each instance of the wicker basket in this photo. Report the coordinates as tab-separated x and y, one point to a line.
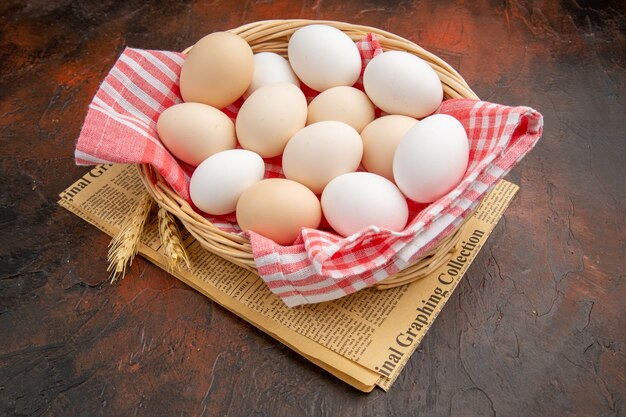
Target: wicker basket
273	36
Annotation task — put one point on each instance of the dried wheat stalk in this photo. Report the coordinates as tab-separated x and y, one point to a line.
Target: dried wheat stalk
171	241
124	246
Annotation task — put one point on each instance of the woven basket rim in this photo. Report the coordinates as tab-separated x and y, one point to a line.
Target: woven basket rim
272	36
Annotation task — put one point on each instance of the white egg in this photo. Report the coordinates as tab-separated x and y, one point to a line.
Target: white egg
355	201
401	83
219	180
270	68
431	159
324	57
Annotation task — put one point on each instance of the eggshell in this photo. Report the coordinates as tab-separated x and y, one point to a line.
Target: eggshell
278	208
269	117
431	159
217	70
320	152
270	68
380	139
219	180
343	104
323	57
401	83
193	131
355	201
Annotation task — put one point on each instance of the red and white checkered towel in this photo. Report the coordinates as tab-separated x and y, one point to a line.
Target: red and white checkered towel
120	127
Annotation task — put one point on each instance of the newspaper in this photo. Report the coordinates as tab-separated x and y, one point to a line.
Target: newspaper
364	339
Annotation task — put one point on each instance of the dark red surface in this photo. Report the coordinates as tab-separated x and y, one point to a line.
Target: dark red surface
536	328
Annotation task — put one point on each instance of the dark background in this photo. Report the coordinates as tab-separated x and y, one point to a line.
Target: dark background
536	328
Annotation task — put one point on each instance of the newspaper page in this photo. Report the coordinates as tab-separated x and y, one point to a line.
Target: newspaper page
364	339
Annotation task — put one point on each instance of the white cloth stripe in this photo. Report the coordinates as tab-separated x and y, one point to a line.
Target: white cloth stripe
495	171
307	271
484	127
127	122
136	90
425	237
276	276
123	121
512	120
498	119
90	158
478	186
266	260
149	78
308	287
380	275
462	202
115	95
100	103
359	285
284	259
400	264
294	300
159	64
397	245
175	57
298	275
472	118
